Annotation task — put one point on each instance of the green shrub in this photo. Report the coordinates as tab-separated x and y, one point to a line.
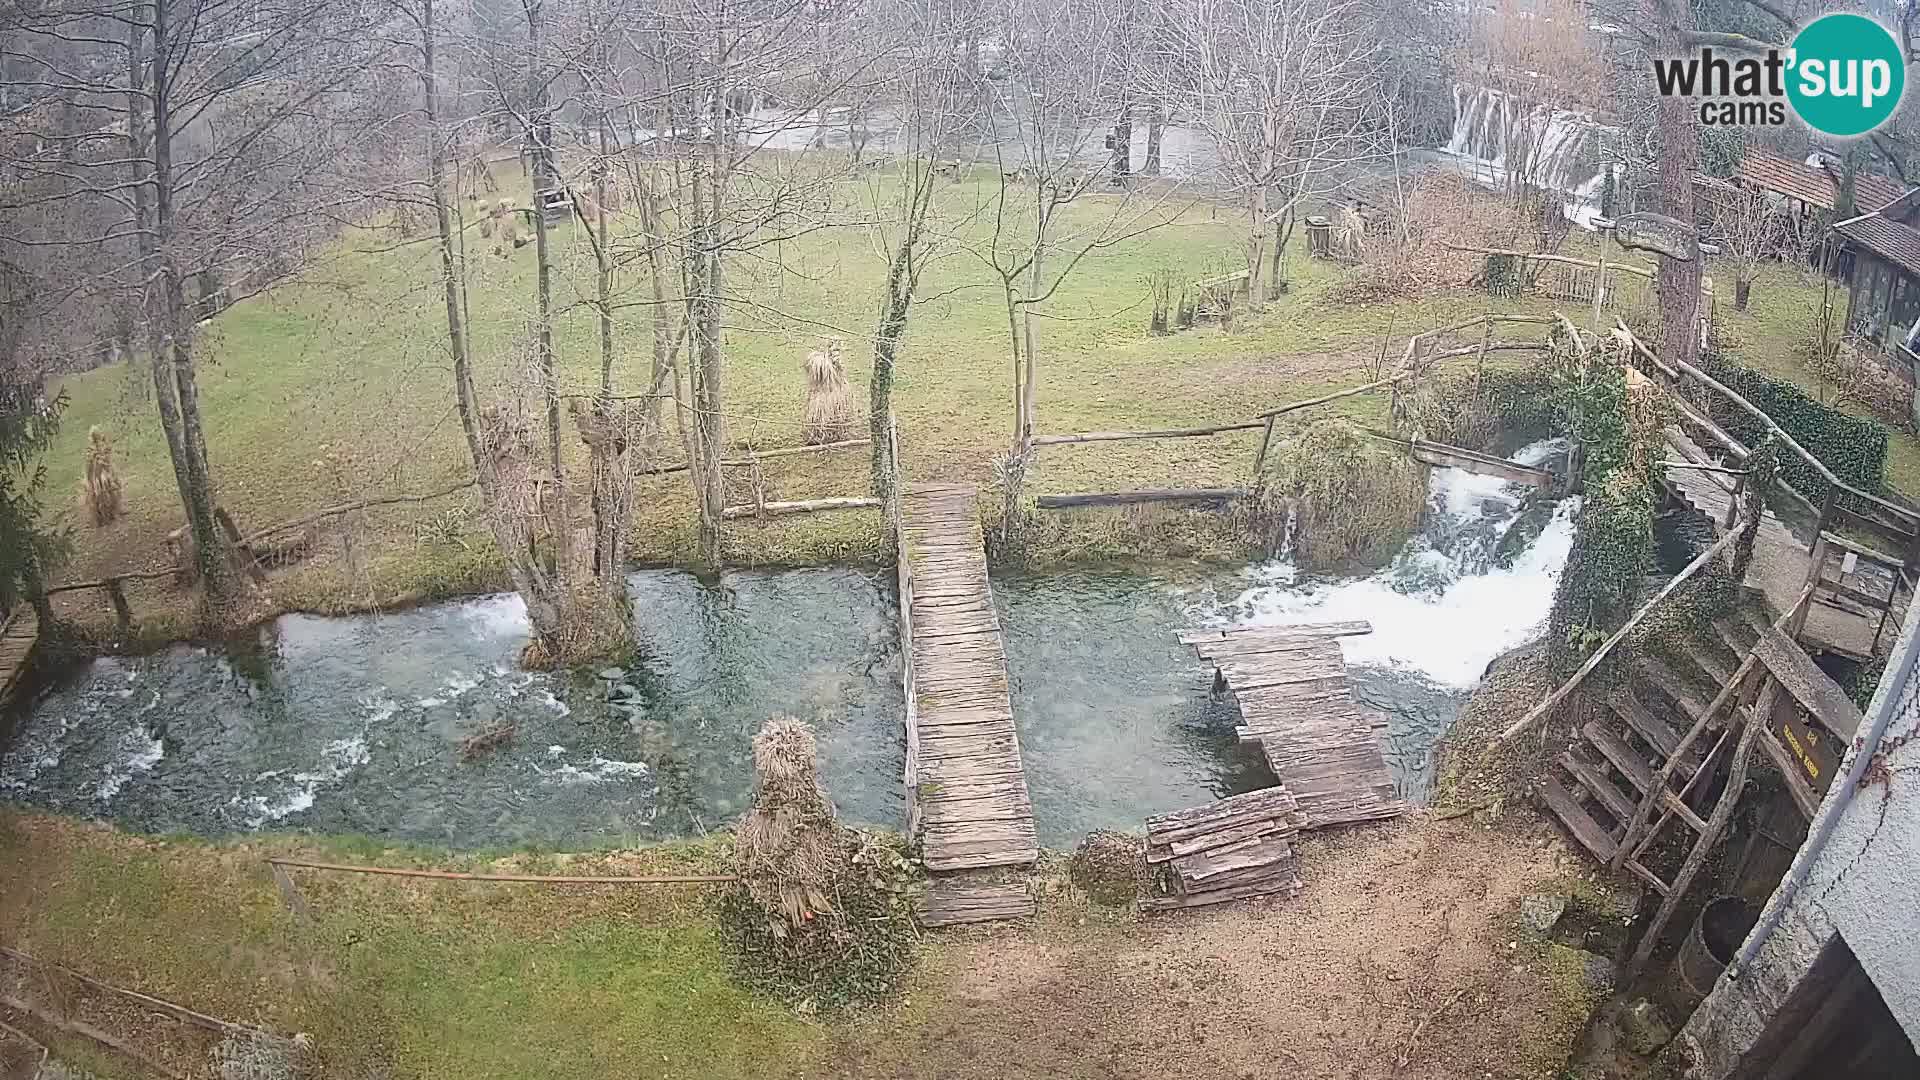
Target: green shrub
1855	449
1352	501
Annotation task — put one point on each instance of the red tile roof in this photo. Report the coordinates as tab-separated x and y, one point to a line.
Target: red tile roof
1815	185
1897	243
1808	183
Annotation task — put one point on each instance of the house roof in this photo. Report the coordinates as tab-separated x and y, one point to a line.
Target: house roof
1891	240
1815	185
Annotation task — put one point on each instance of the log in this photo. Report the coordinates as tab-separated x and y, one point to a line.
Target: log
1607	647
178	1012
88	1031
762	455
1206	641
1145	495
349	507
1170	433
805	506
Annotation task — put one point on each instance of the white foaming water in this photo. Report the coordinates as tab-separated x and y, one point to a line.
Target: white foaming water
147	750
597	771
337	759
1434	610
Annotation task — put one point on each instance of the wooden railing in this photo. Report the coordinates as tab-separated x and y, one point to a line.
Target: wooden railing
910	778
1421	353
1843	509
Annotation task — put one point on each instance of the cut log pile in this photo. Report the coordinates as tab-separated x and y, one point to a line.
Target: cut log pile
1229	850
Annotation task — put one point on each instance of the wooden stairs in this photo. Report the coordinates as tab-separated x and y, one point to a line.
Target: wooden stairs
1614	767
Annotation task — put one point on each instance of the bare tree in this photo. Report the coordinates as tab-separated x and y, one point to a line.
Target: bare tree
237	135
927	77
1751	228
1288	91
1068	63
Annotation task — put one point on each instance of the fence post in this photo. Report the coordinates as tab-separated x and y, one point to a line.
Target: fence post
122	611
1599	290
1266	440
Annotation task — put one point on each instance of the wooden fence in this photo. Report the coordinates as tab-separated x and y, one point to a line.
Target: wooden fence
1420	355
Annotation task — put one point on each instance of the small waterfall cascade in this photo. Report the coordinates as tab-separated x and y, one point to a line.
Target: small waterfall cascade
1491	128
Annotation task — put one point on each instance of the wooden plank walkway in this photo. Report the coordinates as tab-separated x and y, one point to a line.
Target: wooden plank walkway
1781	561
1291	682
966	786
20	635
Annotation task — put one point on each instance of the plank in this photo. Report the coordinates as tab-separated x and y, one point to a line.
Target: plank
952	902
1287	882
1266	803
1623	758
1659	734
1675	685
1602	789
1245	855
1224	837
1811	687
1276	631
1577	820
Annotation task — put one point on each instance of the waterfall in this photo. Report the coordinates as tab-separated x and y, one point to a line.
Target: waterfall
1444	607
1489	125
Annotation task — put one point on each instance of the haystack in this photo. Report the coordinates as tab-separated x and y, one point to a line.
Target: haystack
830	412
101	486
822	916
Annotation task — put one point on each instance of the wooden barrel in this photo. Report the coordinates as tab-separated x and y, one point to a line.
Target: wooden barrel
1709	947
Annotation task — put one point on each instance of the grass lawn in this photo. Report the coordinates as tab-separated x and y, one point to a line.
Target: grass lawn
337	385
402	979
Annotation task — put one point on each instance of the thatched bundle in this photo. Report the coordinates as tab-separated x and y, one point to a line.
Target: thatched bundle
823	914
101	486
830	412
791	848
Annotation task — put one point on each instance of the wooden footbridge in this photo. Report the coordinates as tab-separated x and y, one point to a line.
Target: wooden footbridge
967	802
19	634
1322	745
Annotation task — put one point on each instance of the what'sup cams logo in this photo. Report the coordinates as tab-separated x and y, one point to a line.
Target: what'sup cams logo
1843	76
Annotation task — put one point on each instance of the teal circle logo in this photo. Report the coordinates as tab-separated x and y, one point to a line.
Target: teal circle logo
1845	75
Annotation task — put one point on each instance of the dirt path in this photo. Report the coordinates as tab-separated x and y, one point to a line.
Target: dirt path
1394	962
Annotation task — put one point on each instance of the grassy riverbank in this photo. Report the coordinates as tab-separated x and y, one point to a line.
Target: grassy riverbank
1394	961
336	387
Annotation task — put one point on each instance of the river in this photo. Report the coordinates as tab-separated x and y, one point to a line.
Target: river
354	724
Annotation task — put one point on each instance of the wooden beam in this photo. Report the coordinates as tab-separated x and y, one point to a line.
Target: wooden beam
1703	844
1145	495
1720	700
805	506
1607	647
761	455
535	879
1115	436
1898	512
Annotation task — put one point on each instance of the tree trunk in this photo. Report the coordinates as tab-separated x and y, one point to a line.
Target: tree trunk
540	124
1256	245
223	588
1677	283
1156	122
886	346
1120	156
139	143
512	541
709	428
